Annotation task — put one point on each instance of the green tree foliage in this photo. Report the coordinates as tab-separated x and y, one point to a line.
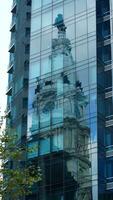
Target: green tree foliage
17	177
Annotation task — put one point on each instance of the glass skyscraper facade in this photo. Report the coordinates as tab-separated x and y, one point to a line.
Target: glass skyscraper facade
18	68
70	120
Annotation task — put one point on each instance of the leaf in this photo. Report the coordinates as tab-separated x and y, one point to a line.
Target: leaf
16	176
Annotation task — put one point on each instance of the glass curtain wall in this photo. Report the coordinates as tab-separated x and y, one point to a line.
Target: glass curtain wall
62	104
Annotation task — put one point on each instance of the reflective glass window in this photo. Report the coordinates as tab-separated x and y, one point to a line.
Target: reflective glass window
35	122
44	119
45	2
92	48
108	78
82	76
35	45
70	32
109	137
34	70
44	146
101	104
93	103
67	7
69	108
94	163
81	28
92	74
109	106
87	107
57	142
31	96
45	65
91	23
80	6
57	62
58	71
35	23
46	41
109	168
36	4
90	4
32	150
106	53
81	52
57	114
18	85
59	87
29	122
19	130
46	18
93	129
105	29
54	1
112	4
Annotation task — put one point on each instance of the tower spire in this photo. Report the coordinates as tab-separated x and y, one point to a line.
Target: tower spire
59	23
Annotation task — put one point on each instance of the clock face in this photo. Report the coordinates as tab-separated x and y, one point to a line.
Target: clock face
57	62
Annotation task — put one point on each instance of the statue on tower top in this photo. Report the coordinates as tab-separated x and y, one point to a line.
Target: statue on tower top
59	23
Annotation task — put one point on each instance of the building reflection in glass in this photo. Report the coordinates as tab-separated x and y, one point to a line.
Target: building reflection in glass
62	139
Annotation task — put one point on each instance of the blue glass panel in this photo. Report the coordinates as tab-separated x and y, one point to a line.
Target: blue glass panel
45	2
81	28
36	4
81	52
109	137
57	115
93	103
44	146
32	150
80	6
93	129
46	19
57	62
35	122
34	70
109	168
35	23
90	4
57	142
67	7
44	119
45	66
